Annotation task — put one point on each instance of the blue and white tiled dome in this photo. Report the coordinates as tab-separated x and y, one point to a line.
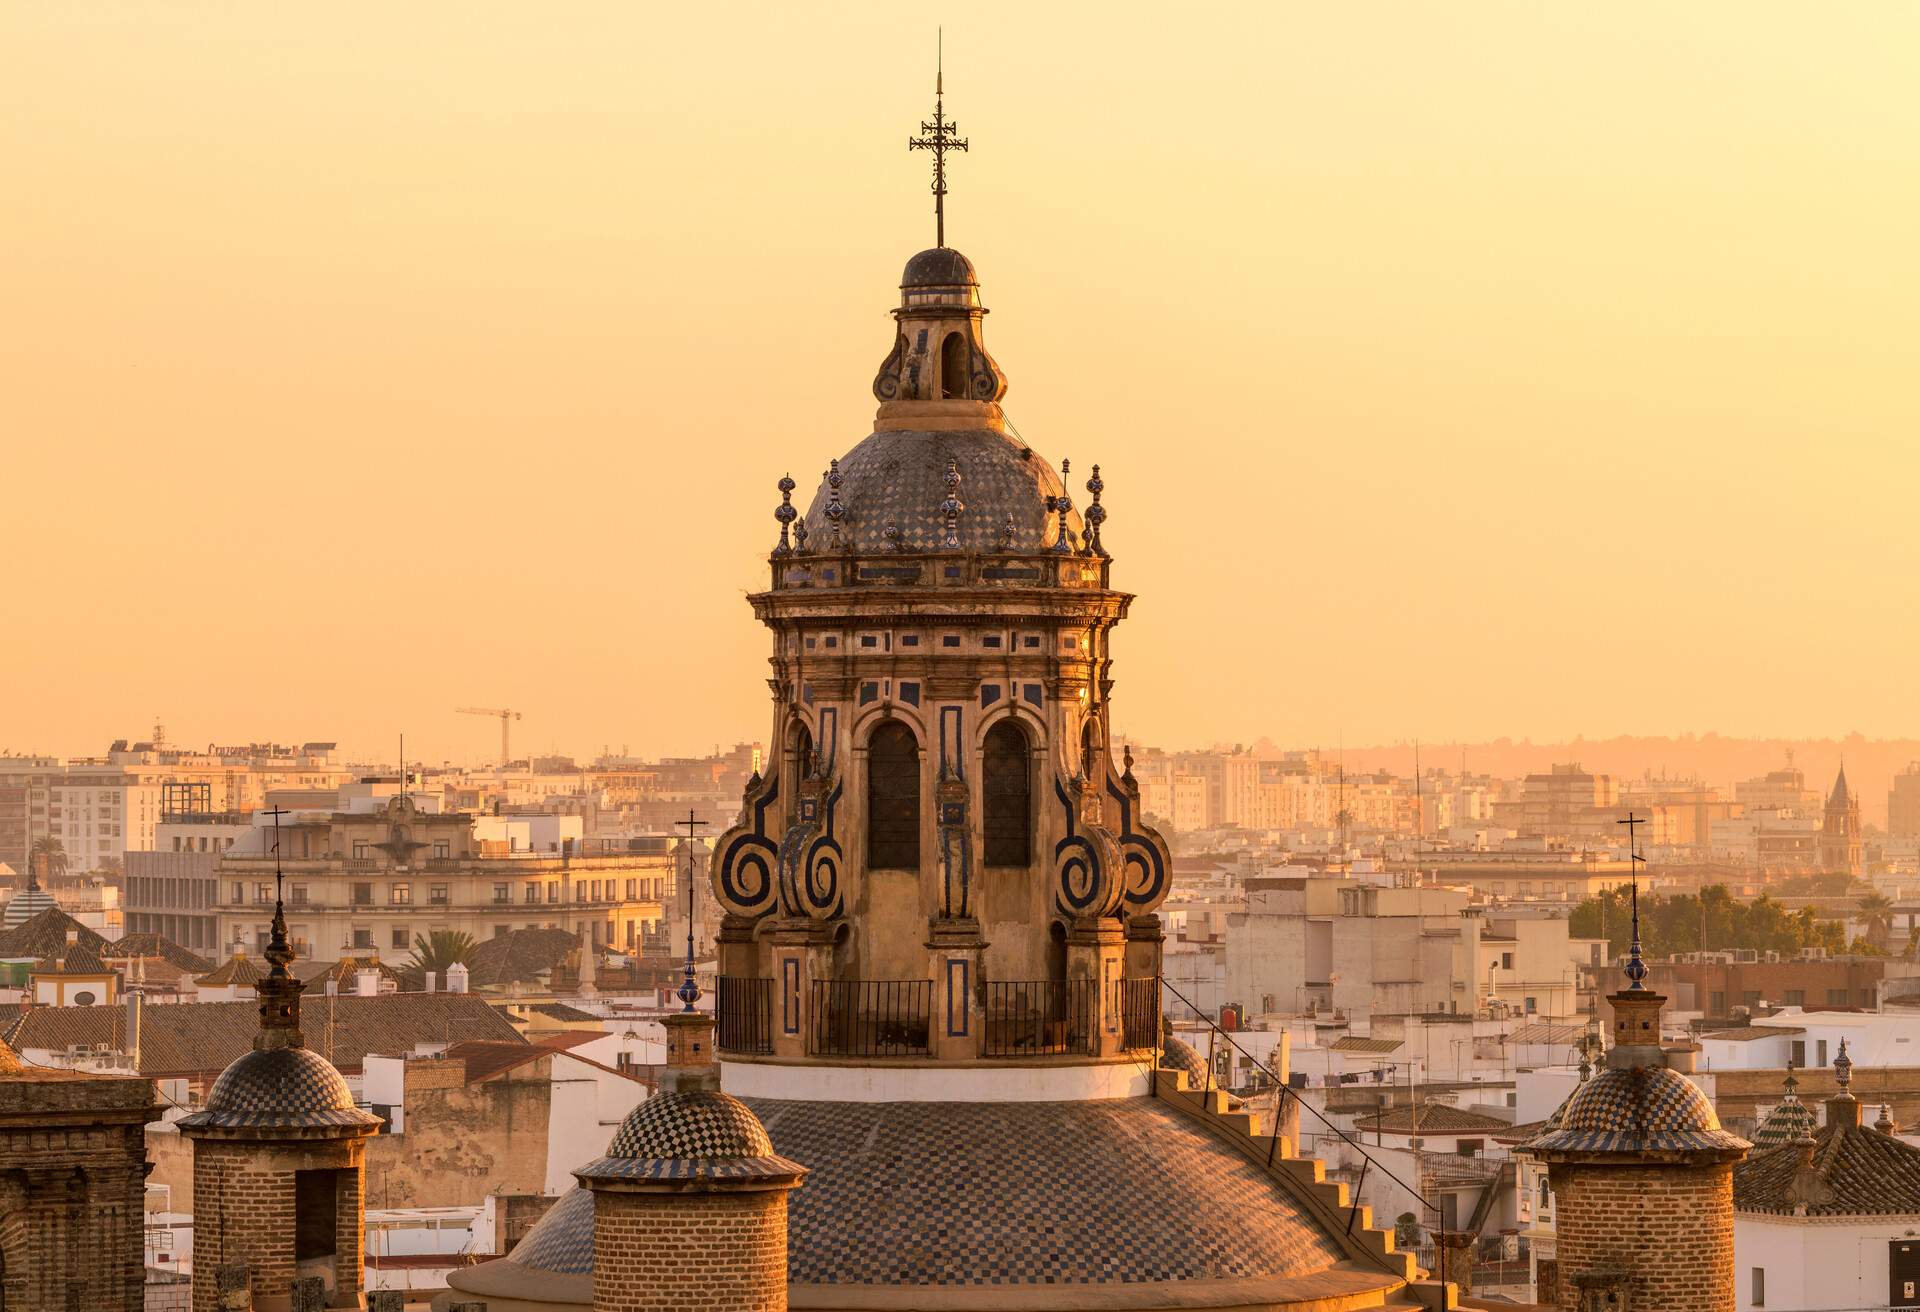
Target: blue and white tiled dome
1638	1109
703	1123
280	1088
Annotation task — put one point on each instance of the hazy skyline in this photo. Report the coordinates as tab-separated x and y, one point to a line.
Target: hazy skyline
1454	371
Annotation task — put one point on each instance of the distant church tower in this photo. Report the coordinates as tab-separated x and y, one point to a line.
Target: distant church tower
1642	1175
1840	830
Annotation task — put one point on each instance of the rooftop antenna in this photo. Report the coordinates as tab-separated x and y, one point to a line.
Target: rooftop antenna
1636	968
689	990
939	139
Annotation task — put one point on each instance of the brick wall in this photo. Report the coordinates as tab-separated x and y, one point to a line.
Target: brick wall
244	1212
72	1179
722	1252
1669	1227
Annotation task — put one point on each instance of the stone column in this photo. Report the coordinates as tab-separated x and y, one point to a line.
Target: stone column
954	1027
1096	955
1455	1249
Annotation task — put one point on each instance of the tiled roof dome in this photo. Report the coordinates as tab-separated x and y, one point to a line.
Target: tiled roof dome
280	1088
1638	1109
1177	1054
941	266
897	479
1786	1123
705	1123
690	1134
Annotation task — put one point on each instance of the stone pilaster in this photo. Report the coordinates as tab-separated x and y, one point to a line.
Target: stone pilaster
954	950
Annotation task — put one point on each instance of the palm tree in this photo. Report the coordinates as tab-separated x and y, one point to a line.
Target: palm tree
111	866
51	848
1877	911
441	949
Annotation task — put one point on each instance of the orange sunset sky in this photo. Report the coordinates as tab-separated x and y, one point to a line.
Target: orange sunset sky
1455	370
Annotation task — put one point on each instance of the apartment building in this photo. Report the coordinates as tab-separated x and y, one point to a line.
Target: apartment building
381	866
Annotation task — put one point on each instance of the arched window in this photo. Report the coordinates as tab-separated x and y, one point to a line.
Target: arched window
799	759
893	799
1007	780
954	384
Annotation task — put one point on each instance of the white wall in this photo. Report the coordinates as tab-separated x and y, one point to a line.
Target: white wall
1816	1265
587	1107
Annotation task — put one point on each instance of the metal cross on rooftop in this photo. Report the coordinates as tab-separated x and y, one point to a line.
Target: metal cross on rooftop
939	139
1636	968
689	990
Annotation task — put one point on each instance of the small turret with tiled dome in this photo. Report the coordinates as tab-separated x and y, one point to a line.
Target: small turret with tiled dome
282	1116
1642	1169
1789	1119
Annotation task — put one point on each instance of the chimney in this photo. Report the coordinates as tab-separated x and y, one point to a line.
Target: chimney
366	983
429	981
73	938
457	977
135	1001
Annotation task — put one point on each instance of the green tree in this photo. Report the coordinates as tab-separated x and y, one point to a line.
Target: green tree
54	851
1684	922
443	948
1877	910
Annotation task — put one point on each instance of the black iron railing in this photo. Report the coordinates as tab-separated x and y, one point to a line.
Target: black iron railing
869	1017
743	1013
1140	1013
1032	1018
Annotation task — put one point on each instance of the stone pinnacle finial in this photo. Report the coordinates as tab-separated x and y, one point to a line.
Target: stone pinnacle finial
1843	1069
1791	1085
1063	503
1884	1122
952	506
892	535
1007	532
1126	759
786	514
1096	514
279	992
800	536
836	512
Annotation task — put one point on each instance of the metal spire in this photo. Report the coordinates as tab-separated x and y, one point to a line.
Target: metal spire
1636	968
689	991
939	139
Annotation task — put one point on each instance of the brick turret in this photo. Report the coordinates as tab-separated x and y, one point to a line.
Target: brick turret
690	1202
279	1162
1642	1175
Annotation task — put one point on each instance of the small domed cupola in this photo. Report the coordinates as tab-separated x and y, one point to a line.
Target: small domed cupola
939	368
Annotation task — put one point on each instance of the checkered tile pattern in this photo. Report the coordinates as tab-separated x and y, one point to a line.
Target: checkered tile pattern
292	1088
701	1124
561	1240
1010	1194
897	479
1118	1191
1179	1055
1785	1124
1637	1109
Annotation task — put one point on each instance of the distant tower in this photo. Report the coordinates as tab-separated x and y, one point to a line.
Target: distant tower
1643	1175
1840	830
278	1160
690	1202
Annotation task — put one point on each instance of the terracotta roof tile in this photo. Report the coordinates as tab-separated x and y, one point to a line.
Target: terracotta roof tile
45	934
155	945
1435	1118
1856	1172
200	1039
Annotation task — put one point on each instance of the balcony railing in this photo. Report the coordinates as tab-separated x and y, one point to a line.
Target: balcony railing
743	1011
1140	1013
869	1017
1034	1018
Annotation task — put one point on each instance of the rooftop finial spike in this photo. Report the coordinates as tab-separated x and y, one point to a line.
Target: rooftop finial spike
786	514
1096	514
1636	968
952	506
1843	1069
689	990
279	992
1063	503
938	137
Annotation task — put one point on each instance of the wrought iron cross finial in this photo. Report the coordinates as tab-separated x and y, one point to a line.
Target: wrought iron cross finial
689	990
1636	968
939	138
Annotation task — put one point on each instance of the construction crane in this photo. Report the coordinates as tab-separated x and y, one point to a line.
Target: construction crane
505	717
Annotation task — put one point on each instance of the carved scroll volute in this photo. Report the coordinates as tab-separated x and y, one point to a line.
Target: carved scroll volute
745	856
809	854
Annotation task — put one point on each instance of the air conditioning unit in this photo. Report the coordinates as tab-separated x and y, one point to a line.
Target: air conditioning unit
1746	955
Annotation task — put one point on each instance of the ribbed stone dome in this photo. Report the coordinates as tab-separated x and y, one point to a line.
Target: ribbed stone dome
898	479
942	266
292	1088
1638	1109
